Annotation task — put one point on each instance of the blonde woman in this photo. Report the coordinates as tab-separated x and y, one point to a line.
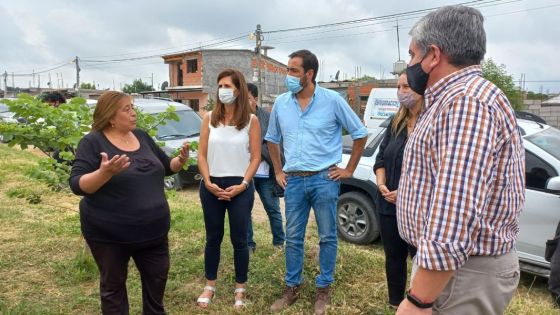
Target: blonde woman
124	213
388	173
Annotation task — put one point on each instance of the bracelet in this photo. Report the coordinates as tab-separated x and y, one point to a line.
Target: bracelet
417	302
246	183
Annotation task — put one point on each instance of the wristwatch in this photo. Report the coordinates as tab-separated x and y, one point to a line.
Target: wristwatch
244	182
417	302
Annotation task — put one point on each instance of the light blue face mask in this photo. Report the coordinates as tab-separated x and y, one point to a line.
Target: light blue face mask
226	96
293	84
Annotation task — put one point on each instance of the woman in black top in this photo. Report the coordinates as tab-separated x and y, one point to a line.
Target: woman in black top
120	171
388	173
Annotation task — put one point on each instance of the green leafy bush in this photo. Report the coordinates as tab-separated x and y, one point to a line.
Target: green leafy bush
56	131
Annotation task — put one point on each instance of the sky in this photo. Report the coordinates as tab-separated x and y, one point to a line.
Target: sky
38	36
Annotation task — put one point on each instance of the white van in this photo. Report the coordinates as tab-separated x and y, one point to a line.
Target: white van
381	104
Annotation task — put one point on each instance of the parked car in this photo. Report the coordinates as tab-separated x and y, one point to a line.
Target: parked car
357	218
7	117
173	134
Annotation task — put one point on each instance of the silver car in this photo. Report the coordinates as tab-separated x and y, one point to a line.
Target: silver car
357	217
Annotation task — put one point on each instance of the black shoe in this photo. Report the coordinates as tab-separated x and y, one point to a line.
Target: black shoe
252	248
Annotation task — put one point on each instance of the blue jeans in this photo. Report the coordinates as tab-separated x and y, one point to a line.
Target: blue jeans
271	203
302	193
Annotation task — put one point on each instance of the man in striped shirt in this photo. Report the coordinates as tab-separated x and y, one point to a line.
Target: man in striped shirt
462	187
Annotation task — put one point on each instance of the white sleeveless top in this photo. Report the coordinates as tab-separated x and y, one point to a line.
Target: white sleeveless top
228	150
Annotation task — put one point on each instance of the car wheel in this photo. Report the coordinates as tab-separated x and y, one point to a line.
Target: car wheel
172	182
356	220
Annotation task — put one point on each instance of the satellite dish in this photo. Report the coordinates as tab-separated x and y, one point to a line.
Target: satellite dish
164	85
336	75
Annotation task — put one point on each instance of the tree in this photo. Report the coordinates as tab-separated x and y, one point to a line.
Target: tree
137	86
87	86
536	96
49	128
498	75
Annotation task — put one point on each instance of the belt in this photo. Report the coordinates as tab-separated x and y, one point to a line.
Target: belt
306	173
302	173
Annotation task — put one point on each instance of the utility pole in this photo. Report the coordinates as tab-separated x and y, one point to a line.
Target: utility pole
152	80
265	49
50	82
13	86
258	38
5	83
33	77
77	76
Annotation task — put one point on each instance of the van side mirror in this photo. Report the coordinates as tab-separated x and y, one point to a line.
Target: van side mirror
553	183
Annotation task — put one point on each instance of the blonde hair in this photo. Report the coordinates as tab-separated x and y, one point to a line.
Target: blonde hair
242	114
400	119
106	108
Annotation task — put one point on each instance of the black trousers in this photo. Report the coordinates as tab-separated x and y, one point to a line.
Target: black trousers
151	259
396	253
554	280
239	212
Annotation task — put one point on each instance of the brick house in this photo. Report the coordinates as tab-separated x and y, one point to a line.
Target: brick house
193	74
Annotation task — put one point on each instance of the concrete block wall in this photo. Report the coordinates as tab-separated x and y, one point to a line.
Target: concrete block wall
548	112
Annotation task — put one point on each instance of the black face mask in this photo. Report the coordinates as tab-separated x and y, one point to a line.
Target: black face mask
417	78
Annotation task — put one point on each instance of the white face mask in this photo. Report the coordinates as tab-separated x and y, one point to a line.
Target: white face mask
226	96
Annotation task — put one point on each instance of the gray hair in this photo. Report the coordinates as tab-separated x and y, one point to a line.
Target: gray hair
457	30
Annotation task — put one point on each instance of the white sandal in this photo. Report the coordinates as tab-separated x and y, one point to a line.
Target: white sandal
239	303
205	299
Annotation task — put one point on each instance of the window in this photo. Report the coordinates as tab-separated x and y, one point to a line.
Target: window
179	75
192	66
194	104
537	172
187	126
548	140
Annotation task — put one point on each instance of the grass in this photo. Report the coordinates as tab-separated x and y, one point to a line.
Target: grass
46	269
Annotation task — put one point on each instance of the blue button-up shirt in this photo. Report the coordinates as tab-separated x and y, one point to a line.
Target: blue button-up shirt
312	139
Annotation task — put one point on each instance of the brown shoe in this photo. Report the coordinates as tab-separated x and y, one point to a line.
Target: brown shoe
322	299
289	297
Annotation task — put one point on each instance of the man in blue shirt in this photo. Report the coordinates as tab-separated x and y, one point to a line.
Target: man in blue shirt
308	120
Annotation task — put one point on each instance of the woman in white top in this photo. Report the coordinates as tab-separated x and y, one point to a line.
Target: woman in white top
228	156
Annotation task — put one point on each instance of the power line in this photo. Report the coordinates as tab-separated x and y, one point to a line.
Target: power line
42	71
389	16
300	39
164	49
159	55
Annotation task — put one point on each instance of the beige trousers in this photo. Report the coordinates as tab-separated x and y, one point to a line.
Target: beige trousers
484	285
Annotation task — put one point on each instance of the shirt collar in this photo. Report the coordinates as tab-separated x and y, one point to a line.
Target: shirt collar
294	98
435	90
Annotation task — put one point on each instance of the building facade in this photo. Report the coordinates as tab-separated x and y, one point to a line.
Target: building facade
192	75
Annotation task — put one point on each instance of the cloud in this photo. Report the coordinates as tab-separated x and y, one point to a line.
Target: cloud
41	34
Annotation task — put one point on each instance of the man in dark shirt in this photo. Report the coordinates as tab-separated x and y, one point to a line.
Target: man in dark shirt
264	180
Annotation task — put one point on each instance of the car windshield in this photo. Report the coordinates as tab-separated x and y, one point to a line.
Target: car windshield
548	140
187	126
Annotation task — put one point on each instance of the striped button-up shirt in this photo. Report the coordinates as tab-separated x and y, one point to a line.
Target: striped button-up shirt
463	178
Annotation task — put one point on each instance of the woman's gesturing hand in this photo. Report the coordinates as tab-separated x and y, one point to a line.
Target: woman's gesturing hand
115	165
